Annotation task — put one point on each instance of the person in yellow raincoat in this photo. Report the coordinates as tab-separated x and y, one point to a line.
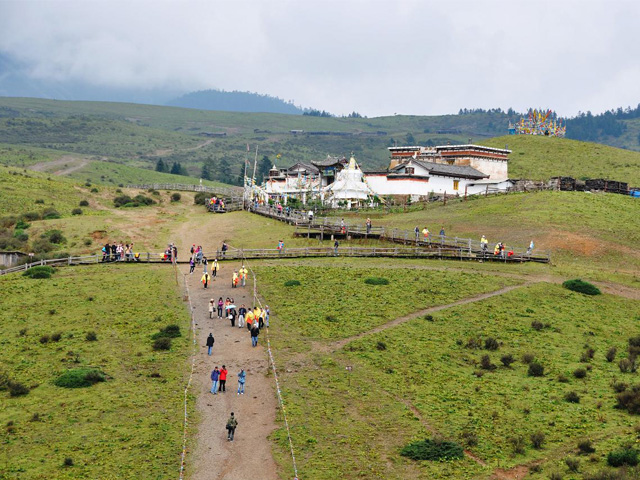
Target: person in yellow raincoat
234	281
250	318
205	280
243	275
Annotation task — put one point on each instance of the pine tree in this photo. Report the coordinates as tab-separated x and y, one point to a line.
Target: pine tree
160	166
263	169
176	169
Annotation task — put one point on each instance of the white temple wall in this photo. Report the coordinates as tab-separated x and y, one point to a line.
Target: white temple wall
496	169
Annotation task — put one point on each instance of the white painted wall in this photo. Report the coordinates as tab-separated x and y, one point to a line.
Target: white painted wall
496	169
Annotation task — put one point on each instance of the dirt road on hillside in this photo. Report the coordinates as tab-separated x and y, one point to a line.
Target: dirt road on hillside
249	455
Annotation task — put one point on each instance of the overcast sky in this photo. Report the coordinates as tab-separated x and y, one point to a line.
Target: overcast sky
377	57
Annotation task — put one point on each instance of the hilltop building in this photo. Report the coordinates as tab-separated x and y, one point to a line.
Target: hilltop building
452	169
303	180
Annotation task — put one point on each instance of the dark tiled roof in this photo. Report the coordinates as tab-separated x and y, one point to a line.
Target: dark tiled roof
306	166
329	161
463	171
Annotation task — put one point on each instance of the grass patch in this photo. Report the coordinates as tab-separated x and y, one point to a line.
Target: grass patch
434	450
376	281
581	286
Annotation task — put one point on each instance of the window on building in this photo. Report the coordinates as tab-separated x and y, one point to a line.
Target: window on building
455	184
409	170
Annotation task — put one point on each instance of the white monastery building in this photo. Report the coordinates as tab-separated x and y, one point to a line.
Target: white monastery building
451	169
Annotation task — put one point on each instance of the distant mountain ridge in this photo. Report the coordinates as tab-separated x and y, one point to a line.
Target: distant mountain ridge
235	102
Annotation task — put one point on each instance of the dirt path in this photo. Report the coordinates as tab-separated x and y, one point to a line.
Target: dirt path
476	298
69	164
249	455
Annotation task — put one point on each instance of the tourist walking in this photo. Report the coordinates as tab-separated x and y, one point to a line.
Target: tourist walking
242	376
425	234
243	276
205	280
234	280
530	249
220	305
232	423
214	268
255	331
210	341
242	311
204	264
336	244
192	266
266	314
223	379
232	316
368	225
212	307
215	375
417	232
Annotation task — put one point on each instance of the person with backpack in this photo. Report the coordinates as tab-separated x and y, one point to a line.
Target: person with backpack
232	423
215	375
212	307
210	341
192	266
242	312
214	268
242	377
223	379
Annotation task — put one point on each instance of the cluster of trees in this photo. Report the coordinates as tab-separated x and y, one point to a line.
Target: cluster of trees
235	101
312	112
176	168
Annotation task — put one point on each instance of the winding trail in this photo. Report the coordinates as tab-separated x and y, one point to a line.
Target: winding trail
398	321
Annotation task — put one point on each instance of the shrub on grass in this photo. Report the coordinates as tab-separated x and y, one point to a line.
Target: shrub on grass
470	438
629	400
50	214
535	370
376	281
40	271
79	378
331	318
432	449
555	476
491	343
22	225
573	464
94	190
175	197
474	343
581	286
31	216
42	245
68	462
17	389
537	325
562	378
381	346
537	439
528	358
39	201
200	198
76	211
625	456
611	354
54	236
507	359
579	373
619	386
292	283
84	203
518	444
56	337
485	363
91	336
44	339
585	447
572	397
587	355
162	343
170	331
625	365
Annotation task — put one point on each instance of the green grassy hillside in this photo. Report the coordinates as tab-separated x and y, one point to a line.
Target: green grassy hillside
129	426
540	158
140	135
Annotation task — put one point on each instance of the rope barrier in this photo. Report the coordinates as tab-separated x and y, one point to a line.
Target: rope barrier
186	389
275	375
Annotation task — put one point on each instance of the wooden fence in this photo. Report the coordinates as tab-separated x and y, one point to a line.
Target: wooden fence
223	191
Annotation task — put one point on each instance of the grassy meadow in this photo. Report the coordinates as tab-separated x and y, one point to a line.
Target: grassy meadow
419	377
129	426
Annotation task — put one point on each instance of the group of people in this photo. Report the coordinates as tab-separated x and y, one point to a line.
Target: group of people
216	204
426	234
255	319
118	252
239	277
170	253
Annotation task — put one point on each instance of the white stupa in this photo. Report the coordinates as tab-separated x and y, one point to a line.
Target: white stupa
349	187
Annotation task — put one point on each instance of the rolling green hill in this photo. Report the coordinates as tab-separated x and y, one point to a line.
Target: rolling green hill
37	130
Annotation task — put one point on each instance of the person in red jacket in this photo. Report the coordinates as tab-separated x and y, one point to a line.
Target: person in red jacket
223	379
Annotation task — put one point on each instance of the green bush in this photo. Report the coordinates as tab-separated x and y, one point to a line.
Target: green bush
127	201
491	343
54	236
42	245
31	216
537	439
535	370
585	447
292	283
22	225
79	378
84	203
175	197
376	281
572	397
76	211
507	359
40	271
626	456
581	286
629	400
200	198
162	343
50	213
432	449
91	336
170	331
